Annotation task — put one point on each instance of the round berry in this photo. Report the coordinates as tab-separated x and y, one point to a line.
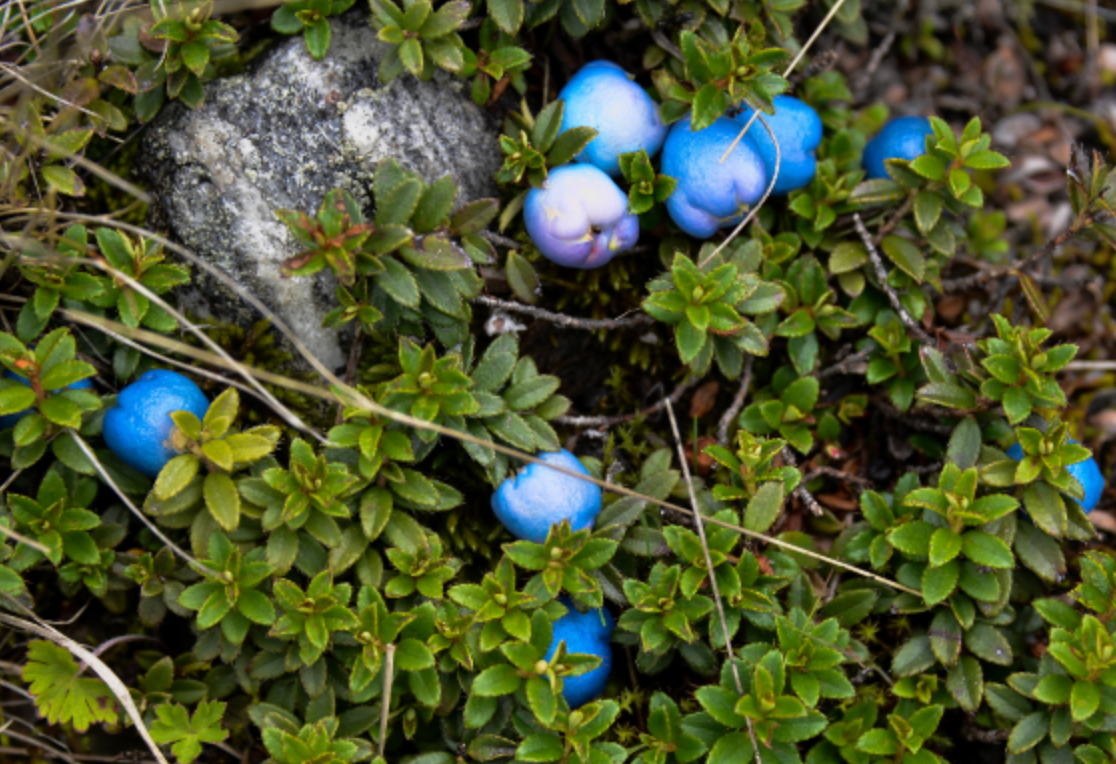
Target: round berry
587	633
580	218
537	498
711	194
901	138
138	427
798	128
602	96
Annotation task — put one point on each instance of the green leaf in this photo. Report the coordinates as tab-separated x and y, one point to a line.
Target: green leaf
944	546
929	167
912	538
847	256
913	657
222	499
398	282
987	160
547	125
435	204
764	508
63	180
62	411
690	340
964	444
988	550
965	683
496	680
173	725
540	748
61	696
175	476
1029	732
569	144
508	14
989	644
1084	700
410	55
522	278
928	210
904	253
16	398
938	583
709	104
1046	508
317	36
948	395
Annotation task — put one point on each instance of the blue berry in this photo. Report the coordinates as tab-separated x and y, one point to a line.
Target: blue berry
901	138
602	96
587	633
1087	473
710	194
537	498
138	428
798	128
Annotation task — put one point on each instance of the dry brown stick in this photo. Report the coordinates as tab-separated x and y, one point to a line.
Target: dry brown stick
881	274
802	492
737	404
609	421
385	696
561	319
844	365
835	473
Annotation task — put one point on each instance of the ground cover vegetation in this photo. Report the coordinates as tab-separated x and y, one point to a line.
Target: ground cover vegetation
813	539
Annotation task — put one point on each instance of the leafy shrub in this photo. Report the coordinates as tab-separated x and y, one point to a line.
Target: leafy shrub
342	593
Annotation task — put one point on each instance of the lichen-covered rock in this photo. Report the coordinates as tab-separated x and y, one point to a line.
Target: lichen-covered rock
280	137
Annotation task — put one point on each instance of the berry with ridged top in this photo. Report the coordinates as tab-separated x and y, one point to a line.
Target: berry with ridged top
798	128
580	218
711	194
602	96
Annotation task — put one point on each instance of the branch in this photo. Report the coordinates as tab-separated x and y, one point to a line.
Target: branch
737	404
802	492
609	421
835	473
881	274
503	241
570	322
845	365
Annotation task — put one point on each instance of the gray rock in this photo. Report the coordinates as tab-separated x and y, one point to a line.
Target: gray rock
280	137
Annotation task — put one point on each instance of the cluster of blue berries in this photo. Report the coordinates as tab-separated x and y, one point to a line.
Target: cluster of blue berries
580	217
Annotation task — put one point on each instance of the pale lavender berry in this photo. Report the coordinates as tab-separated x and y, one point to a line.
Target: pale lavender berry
580	218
